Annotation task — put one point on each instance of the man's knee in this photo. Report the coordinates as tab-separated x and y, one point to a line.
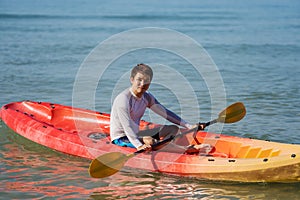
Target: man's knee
171	129
174	129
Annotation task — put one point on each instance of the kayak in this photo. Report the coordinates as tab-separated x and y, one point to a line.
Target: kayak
85	133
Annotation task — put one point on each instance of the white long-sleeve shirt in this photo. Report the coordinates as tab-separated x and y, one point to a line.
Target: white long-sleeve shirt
127	111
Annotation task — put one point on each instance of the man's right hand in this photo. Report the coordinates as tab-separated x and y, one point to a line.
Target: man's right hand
146	147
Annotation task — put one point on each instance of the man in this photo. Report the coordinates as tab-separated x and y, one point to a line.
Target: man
129	107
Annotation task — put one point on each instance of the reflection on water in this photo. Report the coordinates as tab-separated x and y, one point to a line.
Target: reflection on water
29	171
133	185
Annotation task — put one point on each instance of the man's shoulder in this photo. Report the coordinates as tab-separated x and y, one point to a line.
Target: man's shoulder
148	95
150	98
124	95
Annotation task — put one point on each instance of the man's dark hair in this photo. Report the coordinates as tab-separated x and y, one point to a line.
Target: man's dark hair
143	69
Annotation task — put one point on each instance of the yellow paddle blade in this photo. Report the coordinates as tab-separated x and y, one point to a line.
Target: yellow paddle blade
108	164
232	113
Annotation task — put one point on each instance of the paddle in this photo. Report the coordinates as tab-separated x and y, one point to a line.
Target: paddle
110	163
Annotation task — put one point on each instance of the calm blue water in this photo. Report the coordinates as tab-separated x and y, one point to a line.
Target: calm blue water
255	46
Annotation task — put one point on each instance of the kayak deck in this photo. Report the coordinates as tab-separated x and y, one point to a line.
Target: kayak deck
85	133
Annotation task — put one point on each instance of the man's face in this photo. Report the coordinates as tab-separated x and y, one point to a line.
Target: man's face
140	84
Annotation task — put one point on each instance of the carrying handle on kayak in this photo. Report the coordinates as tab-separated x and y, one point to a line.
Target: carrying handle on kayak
110	163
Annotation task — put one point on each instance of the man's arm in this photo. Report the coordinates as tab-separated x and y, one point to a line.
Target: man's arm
159	109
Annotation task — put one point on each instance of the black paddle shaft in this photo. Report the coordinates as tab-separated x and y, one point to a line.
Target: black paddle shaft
211	122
